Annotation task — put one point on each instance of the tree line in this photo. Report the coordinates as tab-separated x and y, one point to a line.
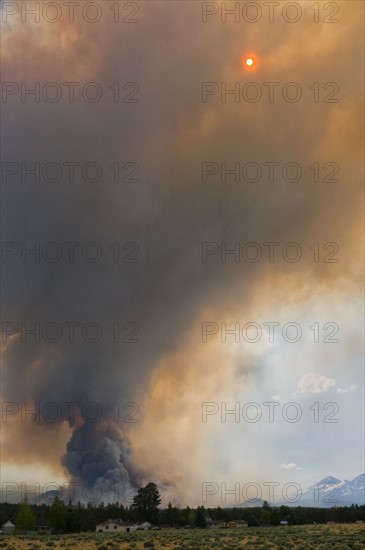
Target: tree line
73	518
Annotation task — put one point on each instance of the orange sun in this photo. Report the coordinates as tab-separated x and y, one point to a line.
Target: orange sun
249	61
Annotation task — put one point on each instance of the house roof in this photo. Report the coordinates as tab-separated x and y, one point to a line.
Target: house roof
237	521
217	521
8	524
117	522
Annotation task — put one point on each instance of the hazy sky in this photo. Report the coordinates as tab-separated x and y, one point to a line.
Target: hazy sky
162	166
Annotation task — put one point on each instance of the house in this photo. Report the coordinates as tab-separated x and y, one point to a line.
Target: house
237	524
284	522
44	527
115	526
212	524
7	528
145	526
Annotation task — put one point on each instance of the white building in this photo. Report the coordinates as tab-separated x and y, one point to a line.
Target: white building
115	526
145	526
8	528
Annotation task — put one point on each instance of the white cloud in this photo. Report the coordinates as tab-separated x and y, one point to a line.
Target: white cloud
351	388
312	383
276	397
290	466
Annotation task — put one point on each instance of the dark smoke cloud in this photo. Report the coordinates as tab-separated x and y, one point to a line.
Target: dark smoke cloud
100	456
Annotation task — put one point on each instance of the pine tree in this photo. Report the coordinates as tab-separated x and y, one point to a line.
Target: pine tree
201	518
25	519
58	515
171	515
147	501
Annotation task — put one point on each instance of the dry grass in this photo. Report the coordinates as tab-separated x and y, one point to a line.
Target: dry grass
308	537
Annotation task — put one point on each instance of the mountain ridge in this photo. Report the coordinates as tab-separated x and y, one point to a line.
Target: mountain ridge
327	493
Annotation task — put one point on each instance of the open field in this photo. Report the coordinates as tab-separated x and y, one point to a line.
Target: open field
307	537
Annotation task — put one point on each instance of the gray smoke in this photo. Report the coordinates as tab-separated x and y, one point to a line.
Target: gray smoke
99	458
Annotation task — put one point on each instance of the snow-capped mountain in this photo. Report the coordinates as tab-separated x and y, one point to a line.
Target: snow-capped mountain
359	482
331	491
328	480
327	493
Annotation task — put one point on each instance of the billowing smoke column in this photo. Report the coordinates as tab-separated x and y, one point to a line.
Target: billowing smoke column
110	266
99	459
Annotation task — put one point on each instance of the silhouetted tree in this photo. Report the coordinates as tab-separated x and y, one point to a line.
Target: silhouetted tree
171	515
146	502
58	515
201	517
